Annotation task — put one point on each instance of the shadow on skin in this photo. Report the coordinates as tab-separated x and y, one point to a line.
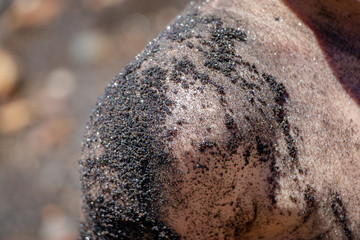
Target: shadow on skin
336	25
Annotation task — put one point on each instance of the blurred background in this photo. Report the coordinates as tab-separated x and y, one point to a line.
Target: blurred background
56	58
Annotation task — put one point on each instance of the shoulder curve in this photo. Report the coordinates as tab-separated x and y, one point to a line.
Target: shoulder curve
189	94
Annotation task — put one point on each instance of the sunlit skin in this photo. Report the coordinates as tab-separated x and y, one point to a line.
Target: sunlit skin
240	121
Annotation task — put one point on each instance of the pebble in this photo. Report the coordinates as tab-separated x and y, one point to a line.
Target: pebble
49	134
14	116
97	5
56	225
9	75
90	47
60	83
33	13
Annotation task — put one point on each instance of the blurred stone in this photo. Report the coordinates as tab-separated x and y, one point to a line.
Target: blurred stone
14	116
52	99
48	107
50	212
60	83
31	13
49	134
56	225
39	163
97	5
8	74
91	47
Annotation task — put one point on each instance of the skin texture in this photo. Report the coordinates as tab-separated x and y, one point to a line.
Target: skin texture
240	121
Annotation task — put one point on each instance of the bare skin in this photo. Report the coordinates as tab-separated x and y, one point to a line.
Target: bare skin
241	121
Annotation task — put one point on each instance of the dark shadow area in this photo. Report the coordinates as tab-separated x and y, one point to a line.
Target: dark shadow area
336	25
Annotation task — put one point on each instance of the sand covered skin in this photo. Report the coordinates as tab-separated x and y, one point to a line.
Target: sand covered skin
128	128
193	140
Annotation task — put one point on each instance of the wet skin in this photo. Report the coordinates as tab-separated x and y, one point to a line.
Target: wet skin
240	121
